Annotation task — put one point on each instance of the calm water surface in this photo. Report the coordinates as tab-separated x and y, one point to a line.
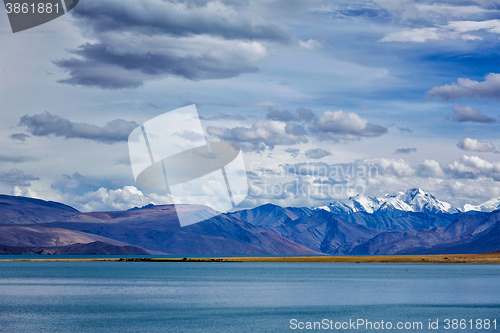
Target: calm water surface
241	297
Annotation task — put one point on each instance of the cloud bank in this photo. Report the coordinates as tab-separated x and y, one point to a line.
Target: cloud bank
142	40
46	124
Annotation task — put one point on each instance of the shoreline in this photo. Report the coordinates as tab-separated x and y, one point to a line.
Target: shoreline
403	259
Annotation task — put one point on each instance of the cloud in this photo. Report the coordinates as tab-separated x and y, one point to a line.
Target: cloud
225	116
453	30
16	177
77	184
19	136
311	44
120	199
353	9
492	26
445	10
295	129
317	153
293	151
402	151
305	114
177	18
263	134
430	168
142	40
46	124
282	129
287	116
467	113
341	125
127	63
467	88
469	144
26	192
415	12
415	35
392	167
404	129
18	158
284	115
473	167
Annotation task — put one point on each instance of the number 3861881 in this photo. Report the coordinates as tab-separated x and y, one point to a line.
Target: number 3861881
24	8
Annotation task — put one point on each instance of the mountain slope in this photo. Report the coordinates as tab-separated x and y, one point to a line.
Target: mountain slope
37	235
21	210
157	229
319	230
468	234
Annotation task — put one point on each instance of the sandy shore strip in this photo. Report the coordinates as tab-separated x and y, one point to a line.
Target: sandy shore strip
487	258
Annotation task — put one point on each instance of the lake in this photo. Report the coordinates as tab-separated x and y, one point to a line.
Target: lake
246	297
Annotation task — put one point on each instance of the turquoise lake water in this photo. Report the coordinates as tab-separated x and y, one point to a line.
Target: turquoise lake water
245	297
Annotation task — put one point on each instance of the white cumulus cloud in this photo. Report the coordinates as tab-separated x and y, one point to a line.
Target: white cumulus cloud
469	144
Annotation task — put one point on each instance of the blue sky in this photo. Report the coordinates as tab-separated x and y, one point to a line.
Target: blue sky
409	87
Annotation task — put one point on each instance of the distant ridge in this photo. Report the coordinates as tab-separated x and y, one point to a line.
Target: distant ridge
78	249
411	222
143	207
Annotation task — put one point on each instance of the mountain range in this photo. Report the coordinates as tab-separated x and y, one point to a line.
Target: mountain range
411	222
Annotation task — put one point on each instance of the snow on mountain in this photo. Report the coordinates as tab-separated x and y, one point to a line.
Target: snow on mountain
414	200
488	206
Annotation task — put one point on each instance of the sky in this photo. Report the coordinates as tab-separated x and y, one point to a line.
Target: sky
327	99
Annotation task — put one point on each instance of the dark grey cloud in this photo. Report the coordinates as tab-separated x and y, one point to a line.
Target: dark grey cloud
467	88
140	40
305	114
404	129
341	125
19	136
178	18
287	116
466	113
357	10
293	151
284	115
16	177
131	69
402	151
317	153
295	129
18	158
46	124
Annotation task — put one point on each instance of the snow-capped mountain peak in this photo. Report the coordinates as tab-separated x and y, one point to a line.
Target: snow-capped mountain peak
413	200
488	206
